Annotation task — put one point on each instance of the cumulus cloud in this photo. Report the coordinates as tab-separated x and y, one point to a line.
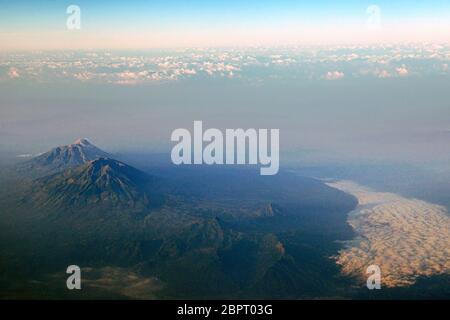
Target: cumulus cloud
13	73
402	71
334	75
384	74
253	65
83	76
122	281
406	238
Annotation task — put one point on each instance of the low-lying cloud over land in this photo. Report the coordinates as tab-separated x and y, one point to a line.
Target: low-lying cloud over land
122	281
406	238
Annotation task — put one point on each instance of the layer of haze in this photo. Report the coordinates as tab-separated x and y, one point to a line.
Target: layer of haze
371	118
344	102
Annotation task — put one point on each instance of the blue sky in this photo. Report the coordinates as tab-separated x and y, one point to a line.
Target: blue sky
170	23
29	15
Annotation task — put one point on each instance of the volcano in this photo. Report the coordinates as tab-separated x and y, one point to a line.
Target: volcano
103	182
60	158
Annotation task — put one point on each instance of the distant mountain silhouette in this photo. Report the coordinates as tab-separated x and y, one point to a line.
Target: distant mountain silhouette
63	157
100	183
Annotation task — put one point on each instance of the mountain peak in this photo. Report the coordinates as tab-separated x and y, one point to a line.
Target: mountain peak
83	142
64	157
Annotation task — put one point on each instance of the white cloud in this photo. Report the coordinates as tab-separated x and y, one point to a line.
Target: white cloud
334	75
83	76
407	238
13	73
252	65
384	74
188	71
402	71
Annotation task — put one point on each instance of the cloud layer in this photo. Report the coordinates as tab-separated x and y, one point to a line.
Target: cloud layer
251	64
122	281
406	238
